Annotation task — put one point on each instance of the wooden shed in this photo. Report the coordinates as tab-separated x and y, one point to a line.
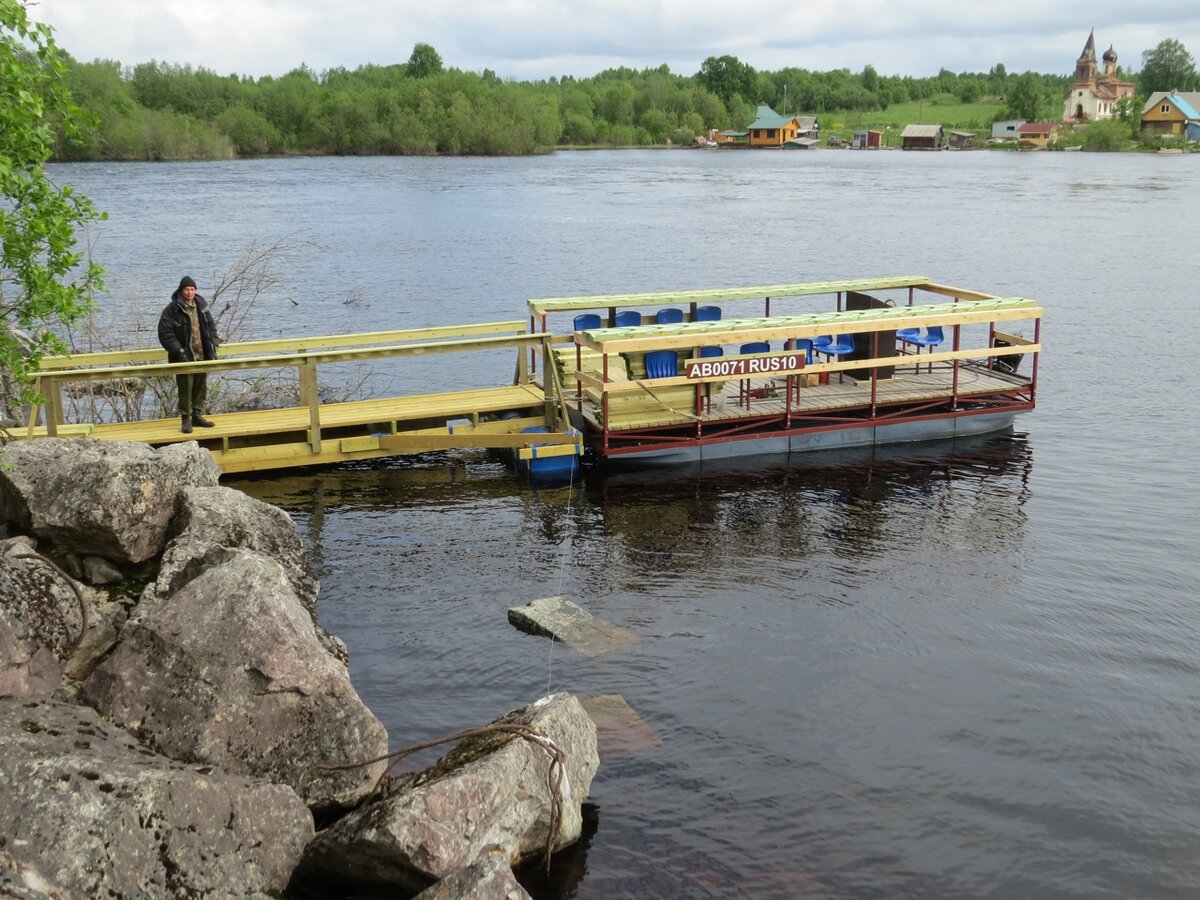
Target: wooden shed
961	140
867	140
921	137
1037	135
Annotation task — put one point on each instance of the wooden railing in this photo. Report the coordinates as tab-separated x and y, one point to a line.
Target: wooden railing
306	355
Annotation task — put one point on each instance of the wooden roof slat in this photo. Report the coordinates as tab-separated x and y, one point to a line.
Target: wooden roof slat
729	331
604	301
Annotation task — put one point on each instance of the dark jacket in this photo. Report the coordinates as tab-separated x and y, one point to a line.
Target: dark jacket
175	330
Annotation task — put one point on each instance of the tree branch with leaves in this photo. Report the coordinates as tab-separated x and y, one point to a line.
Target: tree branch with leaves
47	281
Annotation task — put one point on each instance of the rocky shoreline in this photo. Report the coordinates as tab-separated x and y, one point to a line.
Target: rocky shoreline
176	722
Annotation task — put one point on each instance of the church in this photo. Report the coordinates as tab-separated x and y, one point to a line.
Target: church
1092	98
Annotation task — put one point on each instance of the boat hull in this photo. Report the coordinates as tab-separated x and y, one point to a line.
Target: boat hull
965	424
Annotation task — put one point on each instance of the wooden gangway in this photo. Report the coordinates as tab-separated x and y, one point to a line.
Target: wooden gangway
316	432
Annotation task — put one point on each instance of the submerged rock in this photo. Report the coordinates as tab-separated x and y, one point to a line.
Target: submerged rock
572	625
108	498
489	790
87	812
229	671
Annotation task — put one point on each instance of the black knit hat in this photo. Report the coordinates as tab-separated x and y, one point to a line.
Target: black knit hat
186	281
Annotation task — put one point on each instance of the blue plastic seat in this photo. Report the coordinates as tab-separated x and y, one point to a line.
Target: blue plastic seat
843	345
822	341
708	313
932	337
907	335
806	345
626	318
662	364
711	351
669	316
587	320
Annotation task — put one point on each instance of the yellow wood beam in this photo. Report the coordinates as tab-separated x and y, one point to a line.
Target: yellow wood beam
287	345
538	306
733	331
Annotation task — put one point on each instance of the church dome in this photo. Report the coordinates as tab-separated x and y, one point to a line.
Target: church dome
1110	55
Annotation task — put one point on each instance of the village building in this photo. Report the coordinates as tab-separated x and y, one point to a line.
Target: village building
1173	113
922	137
961	140
1094	97
1006	129
867	140
770	129
1036	135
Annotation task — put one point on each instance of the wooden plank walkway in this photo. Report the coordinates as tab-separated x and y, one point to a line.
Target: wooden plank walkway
279	438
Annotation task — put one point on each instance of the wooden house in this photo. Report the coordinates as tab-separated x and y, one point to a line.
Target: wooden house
770	129
921	137
1173	112
1036	135
961	140
867	140
808	127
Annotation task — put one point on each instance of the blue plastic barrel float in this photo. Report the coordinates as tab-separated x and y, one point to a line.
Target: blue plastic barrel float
547	468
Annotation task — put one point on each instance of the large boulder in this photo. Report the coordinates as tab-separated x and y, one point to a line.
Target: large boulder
489	790
87	812
488	878
229	671
212	522
109	498
27	669
72	621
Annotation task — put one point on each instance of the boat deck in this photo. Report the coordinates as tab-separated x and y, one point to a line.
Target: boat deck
769	396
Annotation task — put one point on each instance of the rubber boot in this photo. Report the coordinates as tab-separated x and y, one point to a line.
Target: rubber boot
186	425
200	422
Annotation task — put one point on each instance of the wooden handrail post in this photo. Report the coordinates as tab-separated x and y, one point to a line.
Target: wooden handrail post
51	394
310	398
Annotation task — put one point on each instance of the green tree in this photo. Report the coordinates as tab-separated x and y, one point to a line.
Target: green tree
1106	135
424	61
727	77
45	282
1168	67
870	78
1025	98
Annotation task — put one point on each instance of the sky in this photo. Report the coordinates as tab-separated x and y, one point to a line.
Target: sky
537	39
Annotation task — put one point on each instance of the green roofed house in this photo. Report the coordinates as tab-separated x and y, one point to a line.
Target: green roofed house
770	129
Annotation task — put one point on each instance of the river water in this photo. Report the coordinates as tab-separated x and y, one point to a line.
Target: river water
958	670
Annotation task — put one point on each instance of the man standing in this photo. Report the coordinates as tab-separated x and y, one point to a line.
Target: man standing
188	333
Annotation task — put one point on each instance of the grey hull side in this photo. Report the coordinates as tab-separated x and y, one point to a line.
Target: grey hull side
840	439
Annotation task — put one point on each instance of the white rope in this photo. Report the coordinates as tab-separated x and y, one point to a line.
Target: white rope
562	570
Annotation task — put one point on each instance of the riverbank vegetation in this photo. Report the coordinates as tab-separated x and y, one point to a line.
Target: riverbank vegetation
159	110
46	278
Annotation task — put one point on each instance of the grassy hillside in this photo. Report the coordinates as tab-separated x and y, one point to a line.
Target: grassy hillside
941	109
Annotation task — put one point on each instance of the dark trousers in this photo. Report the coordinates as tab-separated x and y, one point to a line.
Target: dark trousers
192	391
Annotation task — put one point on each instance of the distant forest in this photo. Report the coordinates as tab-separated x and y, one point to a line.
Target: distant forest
162	111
